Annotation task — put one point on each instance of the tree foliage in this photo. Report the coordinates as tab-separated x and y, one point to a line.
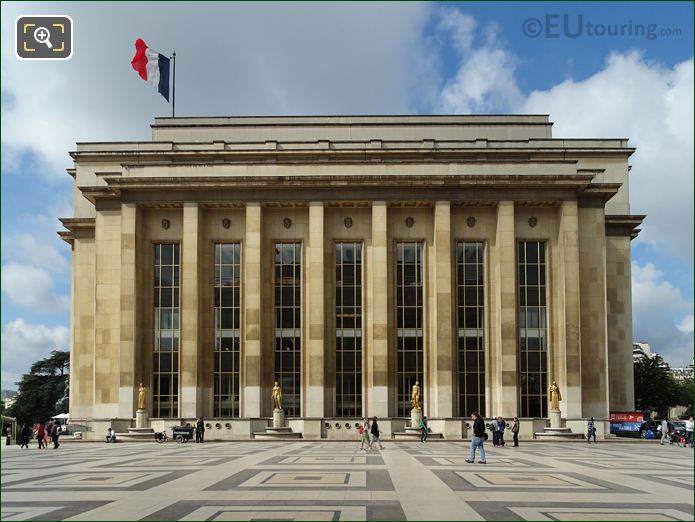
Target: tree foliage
657	390
41	389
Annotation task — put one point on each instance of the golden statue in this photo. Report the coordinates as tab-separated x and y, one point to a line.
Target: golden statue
555	397
415	396
142	393
277	397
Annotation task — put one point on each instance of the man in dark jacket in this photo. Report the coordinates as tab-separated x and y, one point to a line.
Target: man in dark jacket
199	430
55	433
478	438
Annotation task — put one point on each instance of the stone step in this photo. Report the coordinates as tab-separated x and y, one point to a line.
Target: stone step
558	430
134	436
276	435
283	429
545	435
149	431
414	434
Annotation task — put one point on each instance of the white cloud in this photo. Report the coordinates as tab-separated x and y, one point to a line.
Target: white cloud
23	344
30	287
232	58
653	106
686	325
485	80
655	304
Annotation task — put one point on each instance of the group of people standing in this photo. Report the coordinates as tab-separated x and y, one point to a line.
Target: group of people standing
43	433
498	426
369	434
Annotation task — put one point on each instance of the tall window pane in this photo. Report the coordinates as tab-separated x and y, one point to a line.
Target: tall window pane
348	329
533	332
165	393
409	322
227	329
471	312
288	335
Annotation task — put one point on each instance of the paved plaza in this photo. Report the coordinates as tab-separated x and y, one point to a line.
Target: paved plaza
280	480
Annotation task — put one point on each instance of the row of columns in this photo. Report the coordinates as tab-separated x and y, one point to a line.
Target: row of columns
565	358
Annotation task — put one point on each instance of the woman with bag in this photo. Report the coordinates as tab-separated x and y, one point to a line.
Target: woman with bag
364	434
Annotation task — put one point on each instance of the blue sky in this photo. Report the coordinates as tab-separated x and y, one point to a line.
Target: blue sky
361	58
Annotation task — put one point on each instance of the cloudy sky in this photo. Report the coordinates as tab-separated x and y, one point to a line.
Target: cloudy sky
352	58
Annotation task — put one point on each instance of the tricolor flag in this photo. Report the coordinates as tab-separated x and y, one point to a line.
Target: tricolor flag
152	67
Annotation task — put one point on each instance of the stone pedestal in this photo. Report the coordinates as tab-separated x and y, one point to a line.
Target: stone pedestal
141	419
278	418
415	418
555	419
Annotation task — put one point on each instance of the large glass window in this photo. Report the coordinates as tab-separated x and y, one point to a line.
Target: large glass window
348	329
471	341
533	346
165	393
288	334
227	329
409	322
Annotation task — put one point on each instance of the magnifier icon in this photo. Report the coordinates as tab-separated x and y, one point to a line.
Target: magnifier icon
42	35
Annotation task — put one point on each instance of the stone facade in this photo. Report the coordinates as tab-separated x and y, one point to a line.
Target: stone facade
437	180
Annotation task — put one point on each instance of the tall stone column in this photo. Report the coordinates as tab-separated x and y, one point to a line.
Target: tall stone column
503	359
592	288
127	389
377	304
107	320
568	360
442	352
619	292
190	399
251	347
314	354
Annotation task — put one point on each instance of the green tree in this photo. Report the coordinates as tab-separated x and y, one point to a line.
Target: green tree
655	387
41	389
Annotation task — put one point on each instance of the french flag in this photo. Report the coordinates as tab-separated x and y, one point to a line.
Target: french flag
153	67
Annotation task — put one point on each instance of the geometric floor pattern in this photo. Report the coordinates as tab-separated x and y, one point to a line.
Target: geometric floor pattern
278	480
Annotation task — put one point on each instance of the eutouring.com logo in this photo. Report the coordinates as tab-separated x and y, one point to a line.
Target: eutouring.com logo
576	26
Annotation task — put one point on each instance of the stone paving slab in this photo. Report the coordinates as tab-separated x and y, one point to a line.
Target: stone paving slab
306	480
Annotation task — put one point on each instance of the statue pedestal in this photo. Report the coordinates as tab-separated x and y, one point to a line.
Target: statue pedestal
278	418
141	419
555	419
415	418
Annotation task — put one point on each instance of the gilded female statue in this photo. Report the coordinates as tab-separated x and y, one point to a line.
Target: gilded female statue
555	397
277	397
142	396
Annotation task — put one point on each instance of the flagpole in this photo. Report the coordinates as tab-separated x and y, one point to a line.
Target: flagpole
173	90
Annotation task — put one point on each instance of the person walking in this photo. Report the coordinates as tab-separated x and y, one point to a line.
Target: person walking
40	434
374	430
590	430
501	425
200	430
495	433
515	432
664	432
24	436
423	429
55	435
364	434
478	438
689	431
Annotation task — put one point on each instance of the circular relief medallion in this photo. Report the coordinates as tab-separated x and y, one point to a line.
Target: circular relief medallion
348	222
409	222
166	224
470	222
287	222
532	221
226	223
